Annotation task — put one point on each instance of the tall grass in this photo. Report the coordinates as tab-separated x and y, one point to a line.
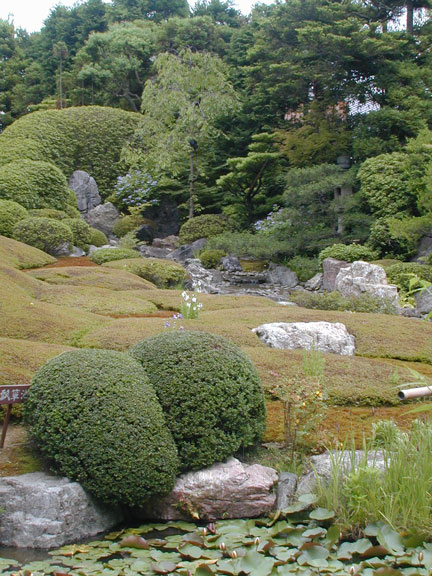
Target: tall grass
400	494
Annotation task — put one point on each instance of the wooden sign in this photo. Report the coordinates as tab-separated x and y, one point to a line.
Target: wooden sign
14	394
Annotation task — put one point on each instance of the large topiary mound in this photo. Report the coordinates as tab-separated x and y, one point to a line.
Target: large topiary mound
96	418
46	234
34	184
204	226
10	214
210	392
86	138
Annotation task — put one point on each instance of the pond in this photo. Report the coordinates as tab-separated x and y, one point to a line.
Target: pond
299	540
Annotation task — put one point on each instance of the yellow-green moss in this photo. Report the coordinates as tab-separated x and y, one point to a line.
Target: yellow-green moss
163	273
19	255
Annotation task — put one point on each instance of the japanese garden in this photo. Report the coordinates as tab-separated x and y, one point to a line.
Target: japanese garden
216	289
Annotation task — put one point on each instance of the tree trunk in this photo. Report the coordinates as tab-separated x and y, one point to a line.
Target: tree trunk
191	184
410	17
60	83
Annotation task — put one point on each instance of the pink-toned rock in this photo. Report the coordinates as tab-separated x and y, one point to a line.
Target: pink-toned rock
228	490
331	268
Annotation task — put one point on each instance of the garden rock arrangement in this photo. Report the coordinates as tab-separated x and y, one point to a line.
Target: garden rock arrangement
44	511
103	217
86	190
360	277
228	490
322	336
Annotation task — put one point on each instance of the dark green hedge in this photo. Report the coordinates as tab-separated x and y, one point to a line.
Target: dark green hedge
34	184
210	392
95	417
87	138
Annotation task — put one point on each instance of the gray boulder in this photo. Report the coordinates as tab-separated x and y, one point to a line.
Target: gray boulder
362	277
423	301
286	489
228	490
62	250
187	251
424	248
231	263
153	251
43	511
322	336
86	191
103	217
170	242
331	268
314	283
321	467
281	275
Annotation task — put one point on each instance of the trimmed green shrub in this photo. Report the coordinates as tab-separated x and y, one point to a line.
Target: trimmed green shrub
48	213
204	226
211	258
97	238
163	273
335	301
111	254
348	252
15	149
399	237
43	233
210	393
401	274
127	224
247	245
10	214
86	138
304	267
34	184
72	205
80	230
385	184
96	418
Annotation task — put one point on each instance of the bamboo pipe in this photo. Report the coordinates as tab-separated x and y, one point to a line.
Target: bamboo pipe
415	393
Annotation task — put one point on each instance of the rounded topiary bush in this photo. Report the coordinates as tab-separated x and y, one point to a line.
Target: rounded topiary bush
97	238
14	149
96	418
204	226
163	273
10	214
80	231
209	391
211	258
348	252
46	234
110	254
34	184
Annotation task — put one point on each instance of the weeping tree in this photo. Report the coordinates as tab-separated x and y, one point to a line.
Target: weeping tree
181	106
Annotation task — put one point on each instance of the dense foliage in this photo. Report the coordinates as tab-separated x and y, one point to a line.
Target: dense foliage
349	253
47	234
95	417
33	184
259	118
204	226
210	393
10	214
87	138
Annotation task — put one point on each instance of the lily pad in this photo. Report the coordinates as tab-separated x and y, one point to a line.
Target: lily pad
321	514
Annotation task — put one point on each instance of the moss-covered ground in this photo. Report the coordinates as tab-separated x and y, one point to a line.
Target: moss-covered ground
47	308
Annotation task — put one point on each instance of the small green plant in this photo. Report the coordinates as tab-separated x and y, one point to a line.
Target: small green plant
190	307
97	238
335	301
211	258
203	226
304	402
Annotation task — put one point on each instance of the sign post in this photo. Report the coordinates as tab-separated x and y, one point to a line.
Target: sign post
14	394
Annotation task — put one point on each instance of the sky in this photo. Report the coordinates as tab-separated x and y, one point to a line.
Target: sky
30	14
